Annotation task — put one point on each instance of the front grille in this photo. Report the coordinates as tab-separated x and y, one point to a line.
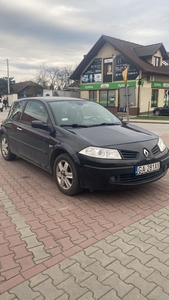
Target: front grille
129	154
132	178
156	150
134	155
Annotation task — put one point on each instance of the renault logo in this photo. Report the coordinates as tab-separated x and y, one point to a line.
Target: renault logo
145	151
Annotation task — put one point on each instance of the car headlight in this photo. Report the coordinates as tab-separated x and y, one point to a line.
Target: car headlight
161	145
101	153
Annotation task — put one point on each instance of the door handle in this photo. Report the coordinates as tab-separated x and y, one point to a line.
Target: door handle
19	128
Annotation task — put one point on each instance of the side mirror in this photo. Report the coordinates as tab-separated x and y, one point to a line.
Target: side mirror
39	124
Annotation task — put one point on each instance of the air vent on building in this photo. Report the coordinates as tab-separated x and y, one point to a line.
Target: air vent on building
151	78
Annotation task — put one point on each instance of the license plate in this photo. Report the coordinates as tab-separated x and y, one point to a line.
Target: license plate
140	170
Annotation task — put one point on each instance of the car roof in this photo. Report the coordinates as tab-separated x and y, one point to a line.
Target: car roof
50	98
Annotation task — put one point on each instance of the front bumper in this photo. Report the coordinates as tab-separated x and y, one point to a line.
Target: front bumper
101	178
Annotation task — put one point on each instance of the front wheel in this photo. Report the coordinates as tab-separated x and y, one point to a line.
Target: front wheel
66	175
5	149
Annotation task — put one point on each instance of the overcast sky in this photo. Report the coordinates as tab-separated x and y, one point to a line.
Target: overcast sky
60	32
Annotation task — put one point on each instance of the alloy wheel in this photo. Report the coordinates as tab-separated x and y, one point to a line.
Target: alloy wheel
4	147
64	174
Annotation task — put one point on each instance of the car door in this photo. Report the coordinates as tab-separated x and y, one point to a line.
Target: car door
33	143
12	124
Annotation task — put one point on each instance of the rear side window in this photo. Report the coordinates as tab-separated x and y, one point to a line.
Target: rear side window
17	111
35	110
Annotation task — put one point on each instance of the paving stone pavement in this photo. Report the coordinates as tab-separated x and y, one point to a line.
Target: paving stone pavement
101	245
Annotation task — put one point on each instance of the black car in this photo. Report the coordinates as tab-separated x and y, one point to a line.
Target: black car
161	111
82	144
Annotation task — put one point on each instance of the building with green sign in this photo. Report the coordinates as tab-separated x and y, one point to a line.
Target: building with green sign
100	75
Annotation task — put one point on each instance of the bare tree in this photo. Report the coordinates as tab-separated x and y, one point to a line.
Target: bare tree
55	78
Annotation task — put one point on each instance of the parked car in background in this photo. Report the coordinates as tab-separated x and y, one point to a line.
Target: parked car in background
1	105
82	144
161	111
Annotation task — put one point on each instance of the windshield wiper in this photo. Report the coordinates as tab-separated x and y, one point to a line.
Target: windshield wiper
105	124
102	124
74	125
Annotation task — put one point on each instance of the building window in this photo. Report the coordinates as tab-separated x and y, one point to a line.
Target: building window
154	98
119	60
108	70
166	97
108	98
103	98
93	96
156	62
111	98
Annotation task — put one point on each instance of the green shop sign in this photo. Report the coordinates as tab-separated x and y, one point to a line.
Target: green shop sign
105	85
160	85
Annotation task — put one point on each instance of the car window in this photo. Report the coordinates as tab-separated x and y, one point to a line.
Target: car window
16	111
35	110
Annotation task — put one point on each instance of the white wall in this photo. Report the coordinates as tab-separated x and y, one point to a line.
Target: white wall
12	98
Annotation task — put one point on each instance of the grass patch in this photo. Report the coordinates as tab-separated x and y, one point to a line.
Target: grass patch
151	118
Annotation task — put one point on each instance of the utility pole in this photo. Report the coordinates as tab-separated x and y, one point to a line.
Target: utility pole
140	83
124	75
8	76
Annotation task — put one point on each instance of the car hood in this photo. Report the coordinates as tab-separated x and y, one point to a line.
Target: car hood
113	135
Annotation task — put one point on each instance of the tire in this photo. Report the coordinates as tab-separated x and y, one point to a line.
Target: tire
66	175
5	149
157	113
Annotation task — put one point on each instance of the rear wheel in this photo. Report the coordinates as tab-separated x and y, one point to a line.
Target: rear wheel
157	112
5	149
66	175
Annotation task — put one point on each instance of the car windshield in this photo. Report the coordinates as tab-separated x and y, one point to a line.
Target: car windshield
78	113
